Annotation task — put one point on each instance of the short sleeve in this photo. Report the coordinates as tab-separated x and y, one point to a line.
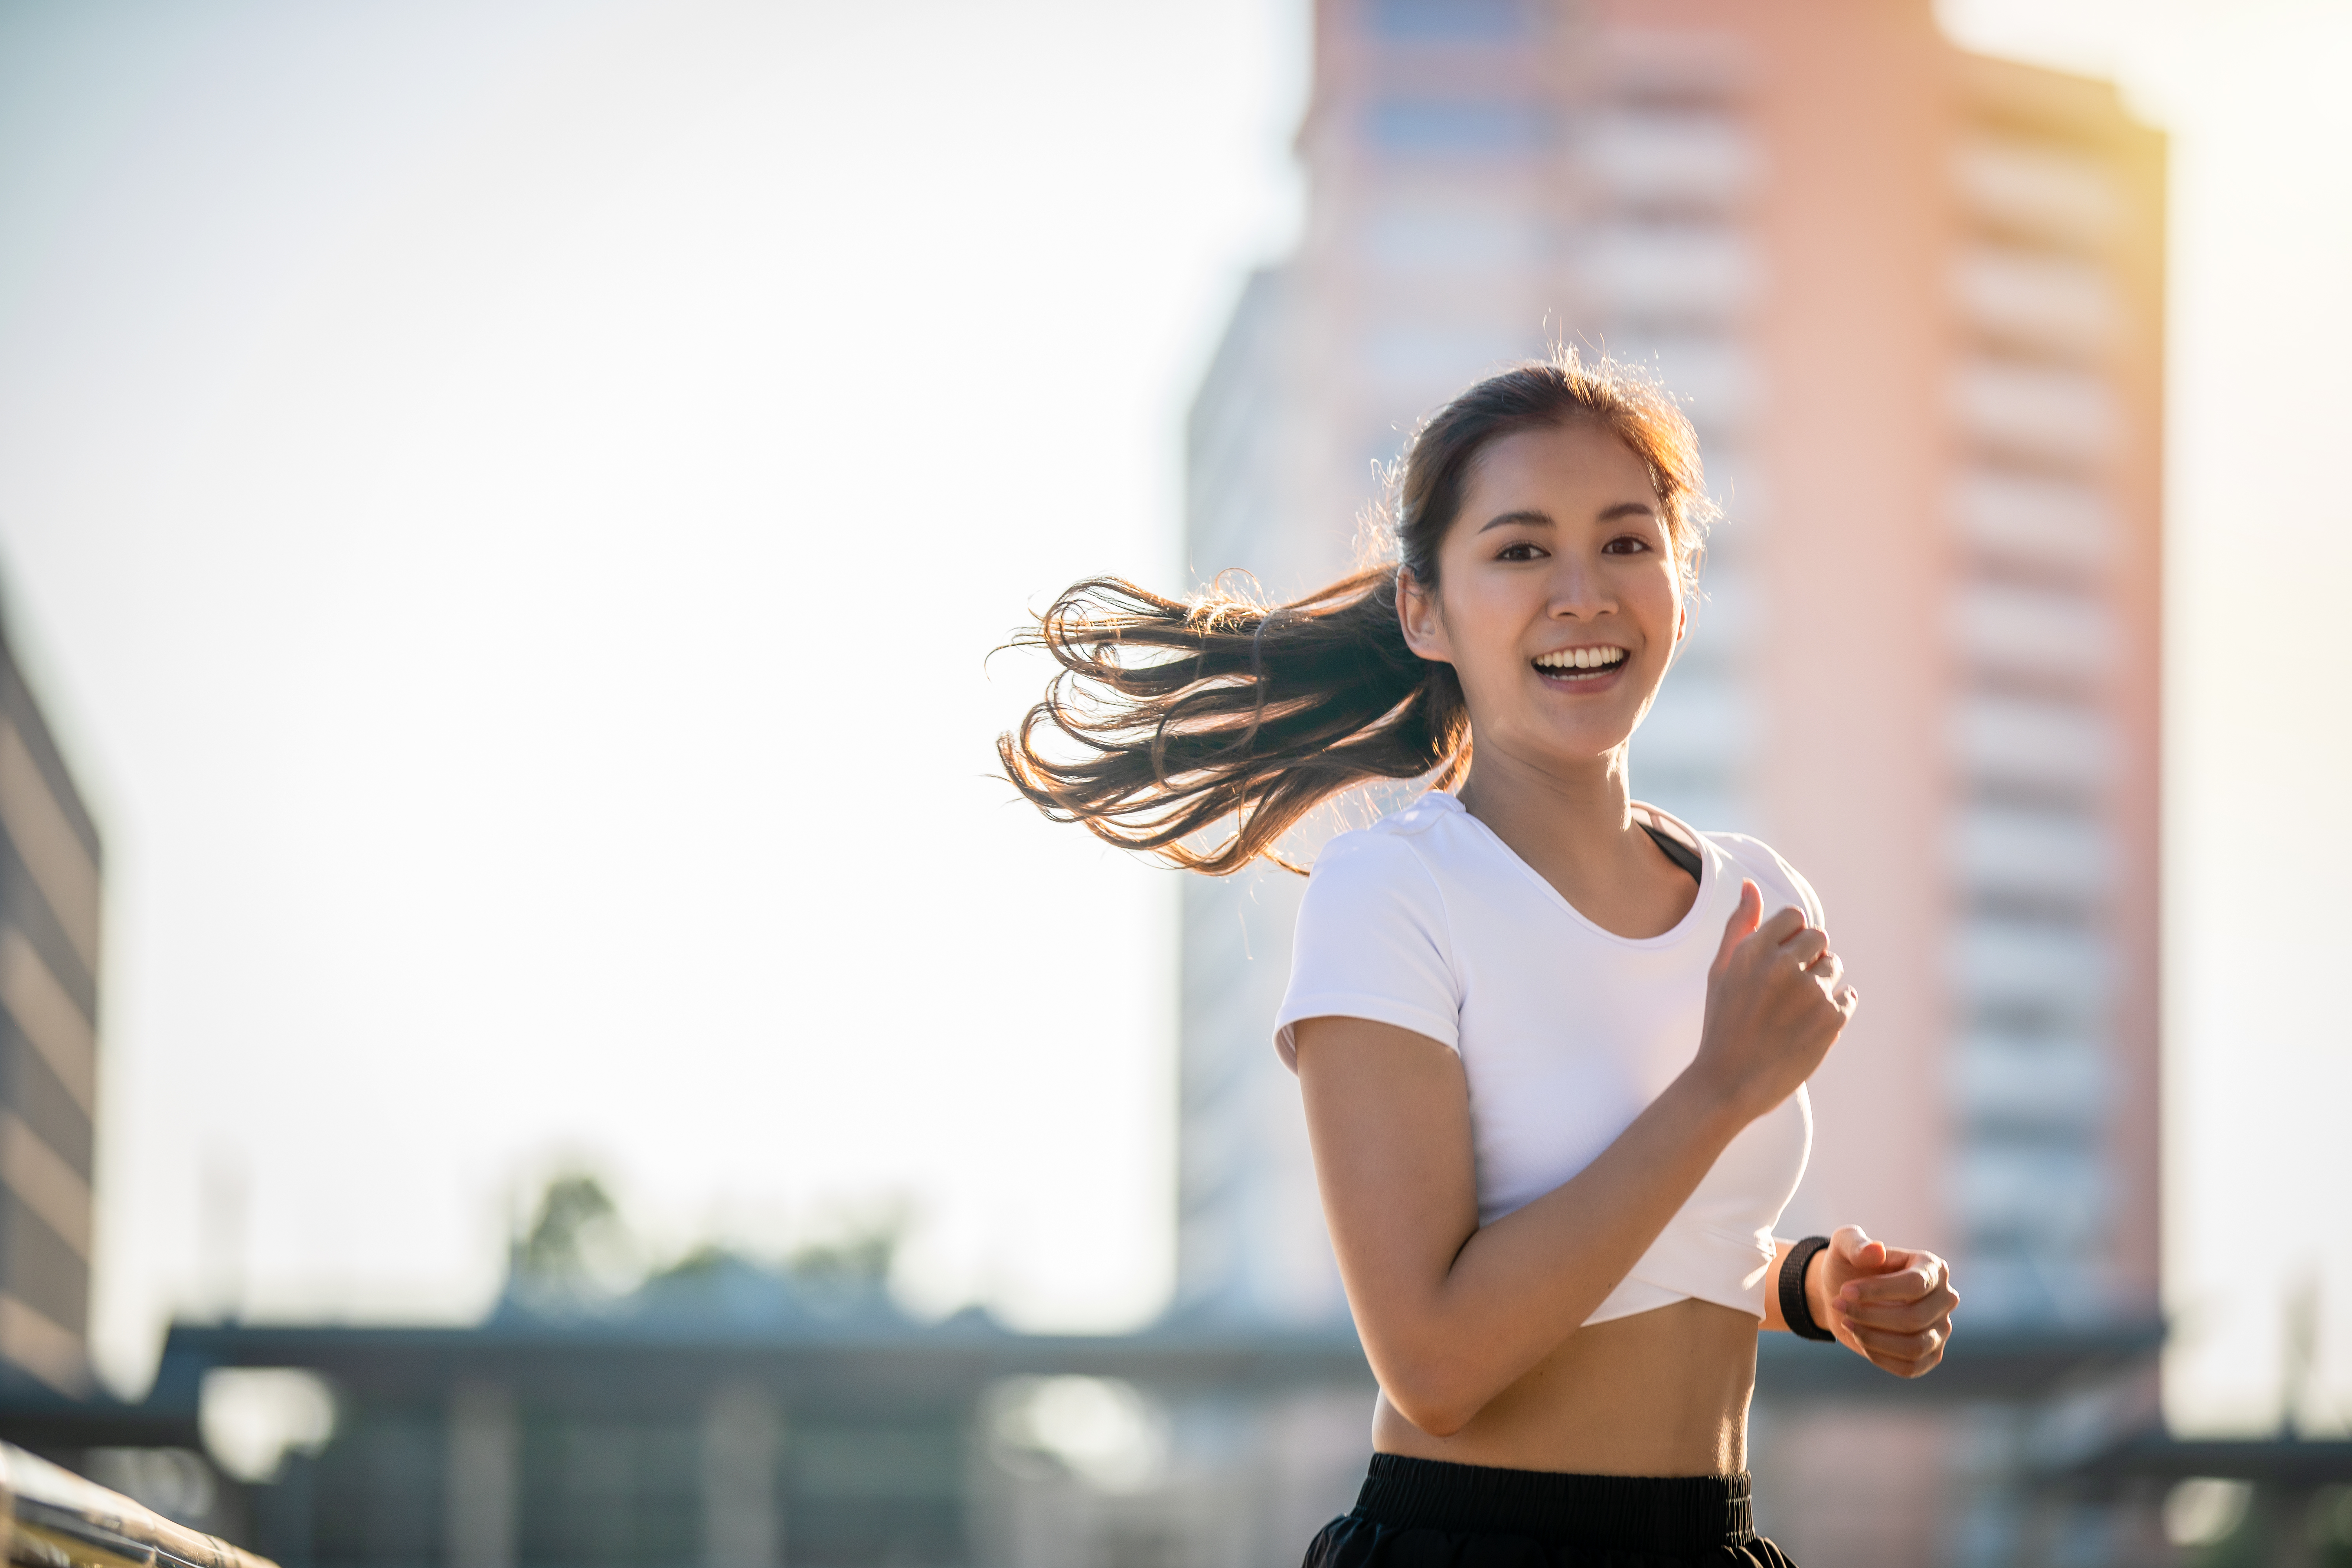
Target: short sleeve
1371	944
1783	885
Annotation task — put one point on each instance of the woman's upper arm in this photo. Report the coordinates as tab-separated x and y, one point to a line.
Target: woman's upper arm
1388	1113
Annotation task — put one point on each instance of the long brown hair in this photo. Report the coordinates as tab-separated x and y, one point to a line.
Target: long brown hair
1178	713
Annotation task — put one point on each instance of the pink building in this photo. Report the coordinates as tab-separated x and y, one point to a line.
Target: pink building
1912	298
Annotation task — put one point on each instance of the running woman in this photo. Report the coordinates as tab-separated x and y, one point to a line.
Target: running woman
1552	1042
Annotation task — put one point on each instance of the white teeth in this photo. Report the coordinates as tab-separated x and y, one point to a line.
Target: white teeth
1582	658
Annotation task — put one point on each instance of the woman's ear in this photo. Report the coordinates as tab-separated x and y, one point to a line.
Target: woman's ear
1682	631
1423	626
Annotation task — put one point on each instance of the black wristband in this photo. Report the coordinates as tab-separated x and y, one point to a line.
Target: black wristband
1795	1310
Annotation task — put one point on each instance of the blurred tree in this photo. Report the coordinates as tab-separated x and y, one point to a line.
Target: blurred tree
578	1255
859	1255
576	1252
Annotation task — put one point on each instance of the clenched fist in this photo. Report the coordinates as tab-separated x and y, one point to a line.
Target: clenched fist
1891	1304
1776	1000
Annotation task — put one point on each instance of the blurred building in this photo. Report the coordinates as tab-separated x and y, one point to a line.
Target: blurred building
1912	300
48	1051
736	1416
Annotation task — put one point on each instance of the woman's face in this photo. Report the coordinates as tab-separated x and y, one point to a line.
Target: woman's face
1558	603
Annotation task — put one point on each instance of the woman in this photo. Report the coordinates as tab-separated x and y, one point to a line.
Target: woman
1552	1042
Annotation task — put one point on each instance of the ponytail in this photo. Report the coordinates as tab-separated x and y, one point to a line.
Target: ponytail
1260	714
1178	714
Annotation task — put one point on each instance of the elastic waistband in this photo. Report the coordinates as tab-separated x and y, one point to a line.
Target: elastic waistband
1625	1514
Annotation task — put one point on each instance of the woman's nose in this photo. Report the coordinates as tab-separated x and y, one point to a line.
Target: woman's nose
1579	590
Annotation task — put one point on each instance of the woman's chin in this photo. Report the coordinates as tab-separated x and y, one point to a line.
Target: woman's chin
1557	744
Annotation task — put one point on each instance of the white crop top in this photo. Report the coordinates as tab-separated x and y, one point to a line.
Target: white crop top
1427	921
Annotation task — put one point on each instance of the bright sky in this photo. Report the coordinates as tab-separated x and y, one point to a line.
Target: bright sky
504	504
508	504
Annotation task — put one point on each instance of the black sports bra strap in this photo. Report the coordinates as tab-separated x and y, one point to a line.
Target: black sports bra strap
1680	853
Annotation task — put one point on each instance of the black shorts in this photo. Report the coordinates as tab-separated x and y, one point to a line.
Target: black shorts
1427	1514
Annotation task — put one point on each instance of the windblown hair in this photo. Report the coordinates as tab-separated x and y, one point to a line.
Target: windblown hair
1178	714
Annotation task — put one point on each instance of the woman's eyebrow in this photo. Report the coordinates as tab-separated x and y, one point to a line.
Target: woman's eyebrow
1625	509
1533	519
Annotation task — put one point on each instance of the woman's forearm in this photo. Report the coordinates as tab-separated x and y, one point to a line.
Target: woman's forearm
1521	1286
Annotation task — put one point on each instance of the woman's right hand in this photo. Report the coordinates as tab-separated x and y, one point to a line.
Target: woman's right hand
1775	1000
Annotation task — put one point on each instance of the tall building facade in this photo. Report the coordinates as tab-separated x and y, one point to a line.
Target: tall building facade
49	1052
1912	300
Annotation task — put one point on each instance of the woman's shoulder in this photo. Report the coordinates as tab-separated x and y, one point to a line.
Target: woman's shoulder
1404	858
1405	840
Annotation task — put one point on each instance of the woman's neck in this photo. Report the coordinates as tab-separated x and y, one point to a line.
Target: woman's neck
1532	804
1575	826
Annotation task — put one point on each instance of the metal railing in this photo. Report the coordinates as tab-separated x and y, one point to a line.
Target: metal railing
54	1519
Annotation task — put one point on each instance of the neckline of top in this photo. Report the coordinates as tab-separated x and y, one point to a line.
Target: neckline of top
1672	936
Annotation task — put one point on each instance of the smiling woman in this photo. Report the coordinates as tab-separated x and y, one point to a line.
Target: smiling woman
1263	713
1553	1043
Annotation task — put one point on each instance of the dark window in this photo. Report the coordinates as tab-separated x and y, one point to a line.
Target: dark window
1480	20
1459	126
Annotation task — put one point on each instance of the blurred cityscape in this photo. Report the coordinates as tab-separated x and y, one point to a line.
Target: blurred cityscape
1913	299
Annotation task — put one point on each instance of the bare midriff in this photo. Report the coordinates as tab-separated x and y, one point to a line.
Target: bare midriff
1663	1393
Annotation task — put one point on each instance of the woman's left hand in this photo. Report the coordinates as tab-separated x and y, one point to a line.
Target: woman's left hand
1890	1304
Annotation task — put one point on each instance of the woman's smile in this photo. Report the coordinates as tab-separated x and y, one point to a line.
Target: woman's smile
1593	668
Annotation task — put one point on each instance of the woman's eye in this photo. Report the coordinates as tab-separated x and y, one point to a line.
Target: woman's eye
1625	544
1522	551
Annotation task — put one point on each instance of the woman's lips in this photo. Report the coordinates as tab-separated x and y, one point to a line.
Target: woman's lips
1581	679
1590	676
